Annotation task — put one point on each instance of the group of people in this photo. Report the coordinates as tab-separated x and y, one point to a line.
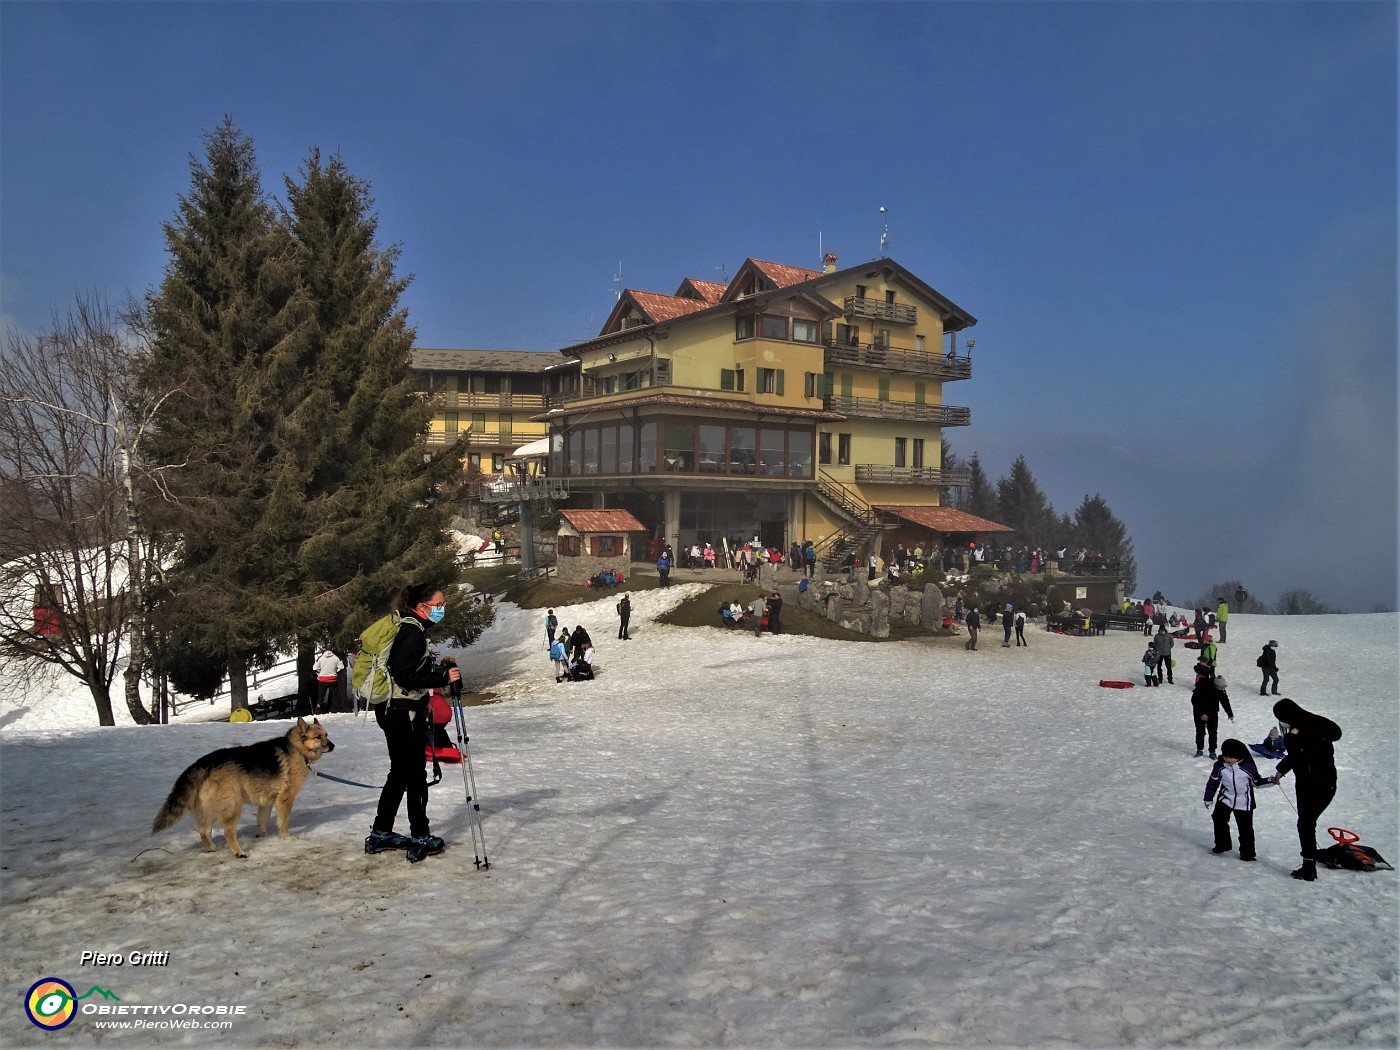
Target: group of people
763	611
571	653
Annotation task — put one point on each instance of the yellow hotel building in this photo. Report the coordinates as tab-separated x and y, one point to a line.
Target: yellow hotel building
790	404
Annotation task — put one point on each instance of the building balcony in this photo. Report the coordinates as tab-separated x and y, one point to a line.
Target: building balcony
884	358
879	474
876	310
497	402
480	439
873	408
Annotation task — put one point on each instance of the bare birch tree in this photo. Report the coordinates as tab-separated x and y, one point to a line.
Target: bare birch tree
70	583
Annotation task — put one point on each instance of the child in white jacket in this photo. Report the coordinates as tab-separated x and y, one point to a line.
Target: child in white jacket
1231	789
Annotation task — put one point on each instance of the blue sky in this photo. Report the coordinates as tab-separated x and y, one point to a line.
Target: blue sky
1175	222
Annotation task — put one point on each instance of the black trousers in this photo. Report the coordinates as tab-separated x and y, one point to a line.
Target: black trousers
1164	665
407	775
1202	728
1021	635
326	691
1270	674
1314	796
622	629
1244	819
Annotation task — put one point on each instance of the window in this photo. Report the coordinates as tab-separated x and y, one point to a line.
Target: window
608	462
474	460
624	448
919	389
451	383
774	327
884	388
848	335
739	380
889	297
843	449
569	547
646	463
828	384
590	450
804	331
605	546
824	448
711	449
918	458
770	451
770	381
919	343
847	382
743	327
449	422
507	425
741	450
574	442
799	458
679	450
498	462
899	444
476	384
860	291
810	384
478	422
882	337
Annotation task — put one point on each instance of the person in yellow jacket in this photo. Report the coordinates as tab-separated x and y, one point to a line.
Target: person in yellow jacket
1222	615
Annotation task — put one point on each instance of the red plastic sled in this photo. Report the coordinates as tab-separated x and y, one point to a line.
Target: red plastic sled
1109	684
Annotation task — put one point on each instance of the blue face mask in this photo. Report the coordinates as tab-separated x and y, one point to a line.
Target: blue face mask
436	613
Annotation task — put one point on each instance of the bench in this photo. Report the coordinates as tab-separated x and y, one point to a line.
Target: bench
1071	625
1126	621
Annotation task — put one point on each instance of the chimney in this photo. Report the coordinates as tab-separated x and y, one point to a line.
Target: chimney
829	262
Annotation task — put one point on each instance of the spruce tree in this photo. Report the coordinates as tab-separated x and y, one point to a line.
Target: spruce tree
981	497
955	495
374	514
229	326
1024	507
1097	529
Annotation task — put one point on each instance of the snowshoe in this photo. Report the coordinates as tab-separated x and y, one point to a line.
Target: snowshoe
379	841
424	847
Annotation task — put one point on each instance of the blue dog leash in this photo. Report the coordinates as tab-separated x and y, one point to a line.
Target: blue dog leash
342	780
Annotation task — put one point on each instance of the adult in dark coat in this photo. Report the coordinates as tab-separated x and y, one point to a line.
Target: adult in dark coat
775	610
974	621
624	613
1310	738
1268	663
1207	699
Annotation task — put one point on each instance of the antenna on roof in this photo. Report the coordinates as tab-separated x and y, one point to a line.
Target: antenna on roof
723	273
819	245
617	282
885	235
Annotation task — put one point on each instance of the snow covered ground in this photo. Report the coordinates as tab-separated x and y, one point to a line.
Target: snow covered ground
730	841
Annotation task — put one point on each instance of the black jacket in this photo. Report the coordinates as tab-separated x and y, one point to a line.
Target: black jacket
1310	749
1268	660
974	621
410	665
1206	699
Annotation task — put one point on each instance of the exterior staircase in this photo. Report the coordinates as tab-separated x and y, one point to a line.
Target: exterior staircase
862	522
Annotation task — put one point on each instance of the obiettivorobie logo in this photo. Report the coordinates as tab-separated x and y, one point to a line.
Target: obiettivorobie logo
52	1003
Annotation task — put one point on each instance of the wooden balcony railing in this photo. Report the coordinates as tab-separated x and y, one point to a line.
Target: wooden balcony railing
876	310
504	402
898	359
873	408
479	438
881	474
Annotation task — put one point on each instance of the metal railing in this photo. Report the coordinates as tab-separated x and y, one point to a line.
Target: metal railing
878	473
937	415
514	490
886	358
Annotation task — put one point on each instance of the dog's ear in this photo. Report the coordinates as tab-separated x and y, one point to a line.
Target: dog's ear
301	722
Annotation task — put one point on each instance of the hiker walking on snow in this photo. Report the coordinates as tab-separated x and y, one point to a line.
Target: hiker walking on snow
624	612
1006	626
551	624
1163	644
1222	615
1207	699
974	621
1268	664
1310	739
1020	623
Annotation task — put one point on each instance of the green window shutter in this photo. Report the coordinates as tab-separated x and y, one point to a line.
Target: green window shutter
884	388
726	379
779	390
847	381
918	393
826	332
828	384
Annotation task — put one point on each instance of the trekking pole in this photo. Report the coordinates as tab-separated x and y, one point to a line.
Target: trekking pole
478	833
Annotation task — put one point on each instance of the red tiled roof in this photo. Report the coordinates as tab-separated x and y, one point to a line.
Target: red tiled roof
783	275
945	519
603	521
711	290
666	307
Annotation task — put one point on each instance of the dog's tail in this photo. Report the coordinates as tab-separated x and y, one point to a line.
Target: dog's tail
180	799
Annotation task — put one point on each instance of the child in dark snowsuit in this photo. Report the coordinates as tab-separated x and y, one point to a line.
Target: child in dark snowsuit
1149	666
1230	788
1207	699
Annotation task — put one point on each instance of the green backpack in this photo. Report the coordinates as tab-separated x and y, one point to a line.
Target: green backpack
369	677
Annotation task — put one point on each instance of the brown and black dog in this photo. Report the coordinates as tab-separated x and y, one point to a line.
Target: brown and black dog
266	774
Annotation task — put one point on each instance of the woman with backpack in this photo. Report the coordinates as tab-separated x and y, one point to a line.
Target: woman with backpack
404	722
